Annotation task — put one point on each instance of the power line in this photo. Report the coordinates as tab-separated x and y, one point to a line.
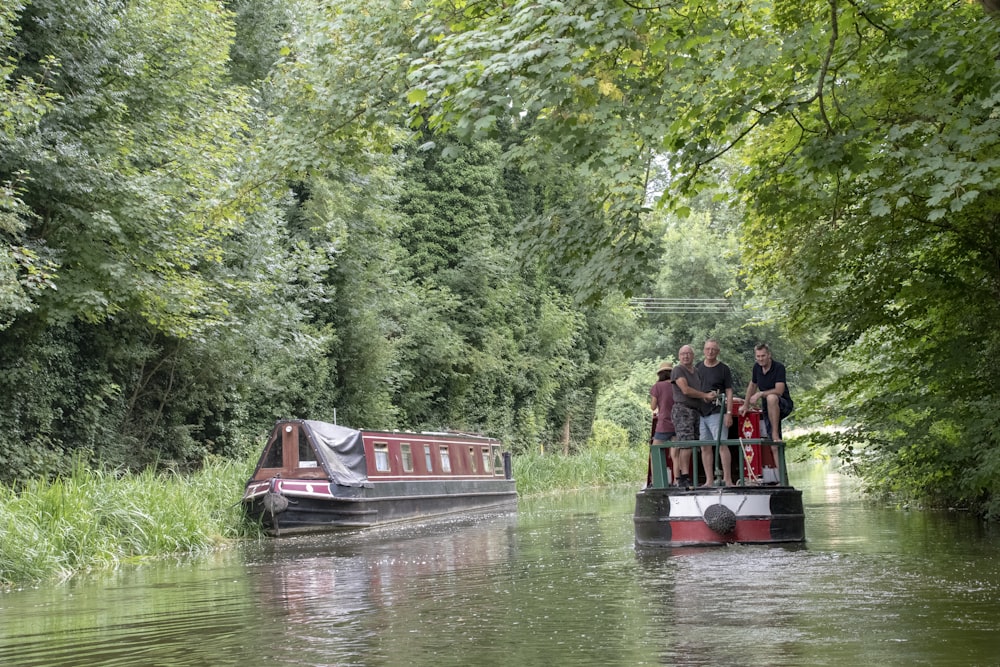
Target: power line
655	305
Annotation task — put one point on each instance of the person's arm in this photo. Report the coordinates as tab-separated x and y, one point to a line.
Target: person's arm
779	383
747	402
688	390
779	389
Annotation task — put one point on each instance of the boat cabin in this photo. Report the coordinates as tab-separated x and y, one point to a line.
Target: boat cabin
301	449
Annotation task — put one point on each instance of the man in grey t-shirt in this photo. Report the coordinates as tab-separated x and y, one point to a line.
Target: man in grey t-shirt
688	399
716	376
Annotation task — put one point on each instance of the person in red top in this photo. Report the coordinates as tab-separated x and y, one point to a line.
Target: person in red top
661	402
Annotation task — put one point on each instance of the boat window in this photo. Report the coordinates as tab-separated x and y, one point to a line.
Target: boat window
404	449
472	458
445	458
273	458
307	458
428	461
486	459
497	462
381	457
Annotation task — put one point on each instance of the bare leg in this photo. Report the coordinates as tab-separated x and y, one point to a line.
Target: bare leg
708	463
727	459
774	416
683	462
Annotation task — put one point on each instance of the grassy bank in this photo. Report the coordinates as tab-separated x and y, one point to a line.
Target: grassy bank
101	520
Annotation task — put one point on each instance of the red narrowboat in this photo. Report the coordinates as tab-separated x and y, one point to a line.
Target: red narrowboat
314	476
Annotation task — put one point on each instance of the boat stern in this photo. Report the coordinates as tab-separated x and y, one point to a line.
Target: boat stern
717	516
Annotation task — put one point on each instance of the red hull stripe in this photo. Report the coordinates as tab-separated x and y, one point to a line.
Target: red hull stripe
698	532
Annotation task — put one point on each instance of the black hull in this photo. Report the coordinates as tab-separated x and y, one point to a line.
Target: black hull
389	502
748	515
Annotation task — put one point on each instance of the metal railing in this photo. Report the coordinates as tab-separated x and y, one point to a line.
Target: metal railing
661	478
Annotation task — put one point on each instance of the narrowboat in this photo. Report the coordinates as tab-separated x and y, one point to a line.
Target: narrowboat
314	476
762	507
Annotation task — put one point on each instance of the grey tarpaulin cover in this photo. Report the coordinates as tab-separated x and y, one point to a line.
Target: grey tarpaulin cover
342	451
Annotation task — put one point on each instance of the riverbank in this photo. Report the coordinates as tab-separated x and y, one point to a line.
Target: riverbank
102	520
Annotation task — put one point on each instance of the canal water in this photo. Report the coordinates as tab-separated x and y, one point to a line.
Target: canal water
556	583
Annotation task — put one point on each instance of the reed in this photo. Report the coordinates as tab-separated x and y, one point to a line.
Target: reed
546	473
102	519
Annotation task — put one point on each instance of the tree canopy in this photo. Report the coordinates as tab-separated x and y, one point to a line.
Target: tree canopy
214	216
859	138
432	213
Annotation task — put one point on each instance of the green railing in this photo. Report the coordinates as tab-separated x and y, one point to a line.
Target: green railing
741	478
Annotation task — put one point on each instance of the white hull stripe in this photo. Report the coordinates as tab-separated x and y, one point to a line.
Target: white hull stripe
694	506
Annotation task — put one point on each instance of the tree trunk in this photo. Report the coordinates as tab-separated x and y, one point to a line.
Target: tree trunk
565	437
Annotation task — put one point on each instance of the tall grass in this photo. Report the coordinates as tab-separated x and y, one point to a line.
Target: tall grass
544	473
100	519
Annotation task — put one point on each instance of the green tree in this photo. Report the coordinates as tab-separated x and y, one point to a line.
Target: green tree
866	138
890	197
24	269
125	194
348	223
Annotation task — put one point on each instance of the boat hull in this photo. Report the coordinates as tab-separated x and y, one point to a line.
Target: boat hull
672	517
289	507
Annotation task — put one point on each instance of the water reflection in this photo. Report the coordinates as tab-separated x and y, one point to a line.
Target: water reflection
385	596
556	583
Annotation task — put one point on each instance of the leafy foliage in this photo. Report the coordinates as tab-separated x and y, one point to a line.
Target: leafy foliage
889	196
865	138
127	205
430	214
213	218
497	345
24	269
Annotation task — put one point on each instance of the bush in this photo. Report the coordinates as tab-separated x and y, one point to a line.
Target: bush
622	407
607	435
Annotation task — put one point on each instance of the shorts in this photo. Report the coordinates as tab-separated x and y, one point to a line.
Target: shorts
664	436
710	426
685	421
784	409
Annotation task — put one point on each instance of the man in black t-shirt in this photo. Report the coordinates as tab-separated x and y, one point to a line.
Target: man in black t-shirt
770	385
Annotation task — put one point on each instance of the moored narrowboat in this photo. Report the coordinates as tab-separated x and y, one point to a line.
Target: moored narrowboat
762	508
315	476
